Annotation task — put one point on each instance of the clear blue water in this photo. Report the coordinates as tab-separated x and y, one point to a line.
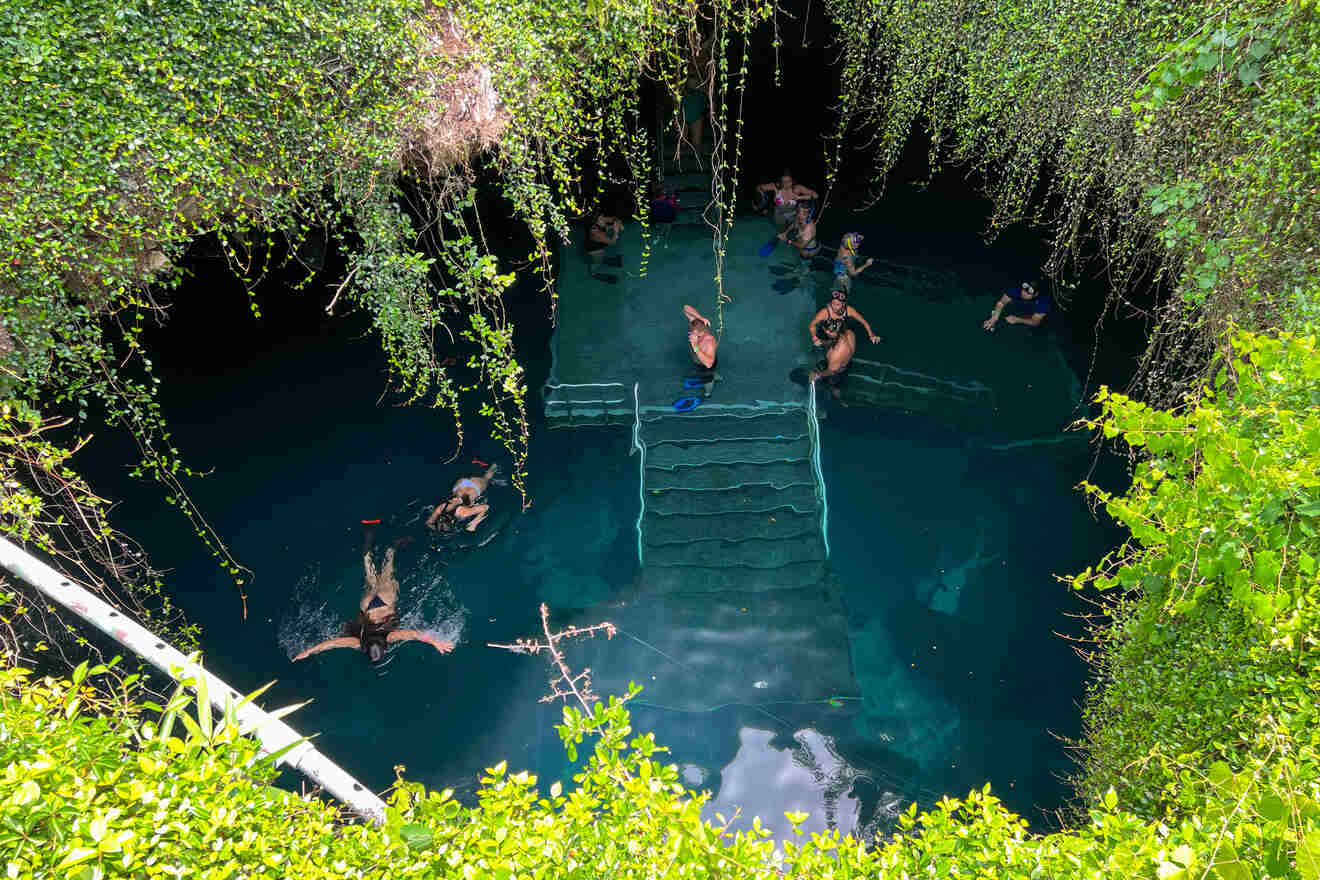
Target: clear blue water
944	551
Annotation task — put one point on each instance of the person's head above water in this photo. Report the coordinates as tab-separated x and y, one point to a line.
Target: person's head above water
851	242
785	180
1028	291
804	211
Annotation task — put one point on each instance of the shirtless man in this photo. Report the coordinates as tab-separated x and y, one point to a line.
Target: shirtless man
376	625
464	506
703	345
787	194
802	234
834	368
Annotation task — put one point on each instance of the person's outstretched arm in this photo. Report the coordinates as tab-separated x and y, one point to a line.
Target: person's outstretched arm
693	315
419	635
328	644
766	188
994	315
811	328
1033	321
854	270
870	334
806	192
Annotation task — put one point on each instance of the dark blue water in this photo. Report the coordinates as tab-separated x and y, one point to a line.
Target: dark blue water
952	695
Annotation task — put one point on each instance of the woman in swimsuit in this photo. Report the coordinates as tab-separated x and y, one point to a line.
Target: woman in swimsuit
464	506
832	319
376	625
787	194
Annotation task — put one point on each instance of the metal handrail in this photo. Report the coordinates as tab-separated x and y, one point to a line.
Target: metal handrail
641	469
274	735
813	429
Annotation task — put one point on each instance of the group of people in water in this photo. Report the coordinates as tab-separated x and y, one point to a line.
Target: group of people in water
376	626
793	208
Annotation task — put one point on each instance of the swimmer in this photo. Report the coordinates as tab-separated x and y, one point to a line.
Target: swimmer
601	235
465	506
376	625
786	195
845	259
838	358
704	348
1033	309
802	234
831	320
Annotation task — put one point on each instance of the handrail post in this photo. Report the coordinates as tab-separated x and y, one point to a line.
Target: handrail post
273	734
641	469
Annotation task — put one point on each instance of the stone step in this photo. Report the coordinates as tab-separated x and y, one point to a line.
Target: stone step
769	425
779	474
661	579
672	455
754	553
777	526
747	499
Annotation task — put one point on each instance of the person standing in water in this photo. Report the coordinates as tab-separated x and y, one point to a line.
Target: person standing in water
703	346
466	504
802	235
786	195
376	625
1032	305
831	320
845	260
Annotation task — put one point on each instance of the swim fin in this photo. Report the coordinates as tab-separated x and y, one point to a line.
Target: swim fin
769	247
694	382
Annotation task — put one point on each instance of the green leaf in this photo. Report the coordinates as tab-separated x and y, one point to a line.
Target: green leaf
556	789
1311	509
418	837
1110	799
1272	807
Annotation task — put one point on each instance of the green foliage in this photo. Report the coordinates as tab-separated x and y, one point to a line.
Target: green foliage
1187	126
1213	642
95	787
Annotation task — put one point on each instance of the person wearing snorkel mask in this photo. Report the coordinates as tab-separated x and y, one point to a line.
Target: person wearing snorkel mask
845	259
1030	307
376	625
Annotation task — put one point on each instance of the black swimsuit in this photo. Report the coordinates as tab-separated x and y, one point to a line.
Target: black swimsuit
831	324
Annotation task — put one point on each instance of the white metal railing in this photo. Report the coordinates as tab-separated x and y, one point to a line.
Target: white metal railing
813	429
275	736
641	468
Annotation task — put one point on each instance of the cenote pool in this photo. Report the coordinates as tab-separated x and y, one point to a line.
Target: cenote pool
932	657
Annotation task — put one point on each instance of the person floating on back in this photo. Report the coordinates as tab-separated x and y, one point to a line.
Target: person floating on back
1030	307
466	506
376	625
703	345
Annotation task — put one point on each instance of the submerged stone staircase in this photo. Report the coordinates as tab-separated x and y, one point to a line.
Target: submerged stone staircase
731	502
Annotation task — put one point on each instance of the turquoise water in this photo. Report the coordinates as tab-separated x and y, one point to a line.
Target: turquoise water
939	622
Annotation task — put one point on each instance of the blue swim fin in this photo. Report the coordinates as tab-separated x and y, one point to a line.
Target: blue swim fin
694	382
769	247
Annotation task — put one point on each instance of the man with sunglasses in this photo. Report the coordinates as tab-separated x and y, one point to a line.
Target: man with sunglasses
1032	310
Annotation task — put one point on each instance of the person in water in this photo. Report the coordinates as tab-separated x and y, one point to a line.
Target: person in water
833	319
845	260
376	625
601	235
703	346
1032	307
801	234
785	195
466	506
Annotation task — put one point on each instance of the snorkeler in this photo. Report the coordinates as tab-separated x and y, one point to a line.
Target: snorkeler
1034	307
601	235
838	358
376	625
802	234
704	347
786	194
831	320
466	506
845	259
